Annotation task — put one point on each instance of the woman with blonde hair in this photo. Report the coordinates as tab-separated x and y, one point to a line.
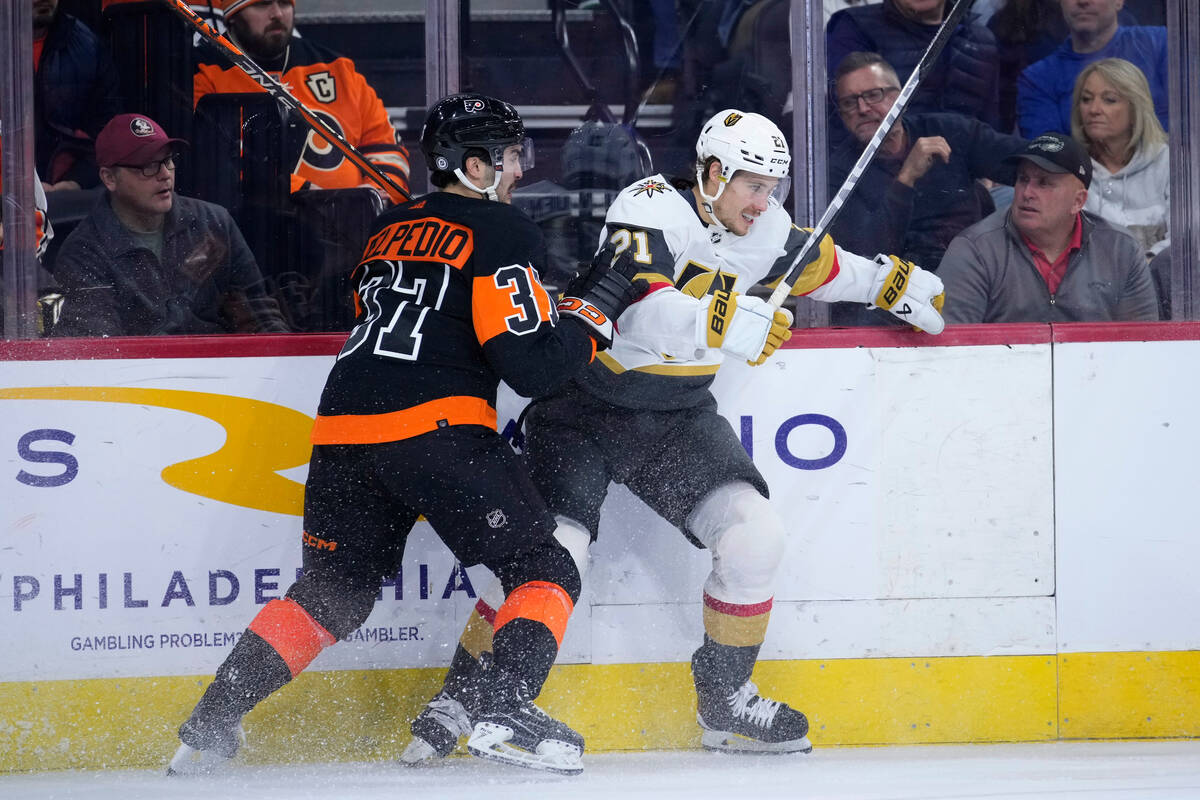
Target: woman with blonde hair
1112	115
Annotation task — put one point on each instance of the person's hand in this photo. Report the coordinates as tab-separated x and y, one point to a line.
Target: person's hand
61	185
921	157
599	293
913	294
744	326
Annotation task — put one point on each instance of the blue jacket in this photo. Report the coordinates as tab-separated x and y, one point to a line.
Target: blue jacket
1045	88
883	215
75	92
966	78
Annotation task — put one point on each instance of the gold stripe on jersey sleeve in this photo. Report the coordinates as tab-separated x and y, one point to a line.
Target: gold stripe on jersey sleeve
678	370
818	270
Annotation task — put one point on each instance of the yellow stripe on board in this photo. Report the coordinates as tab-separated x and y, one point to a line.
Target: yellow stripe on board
1129	695
364	715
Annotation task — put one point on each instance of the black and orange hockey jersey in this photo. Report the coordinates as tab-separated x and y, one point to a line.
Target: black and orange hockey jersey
329	86
43	232
449	305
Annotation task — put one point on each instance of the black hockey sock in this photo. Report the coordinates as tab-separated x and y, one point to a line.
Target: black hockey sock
251	672
463	679
525	649
722	666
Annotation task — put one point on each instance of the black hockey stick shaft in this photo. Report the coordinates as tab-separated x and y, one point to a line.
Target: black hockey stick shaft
287	100
928	59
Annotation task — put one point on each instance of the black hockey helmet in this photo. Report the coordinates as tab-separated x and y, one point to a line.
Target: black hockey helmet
459	123
604	155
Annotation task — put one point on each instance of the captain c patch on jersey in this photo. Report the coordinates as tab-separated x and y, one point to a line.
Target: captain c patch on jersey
649	186
323	87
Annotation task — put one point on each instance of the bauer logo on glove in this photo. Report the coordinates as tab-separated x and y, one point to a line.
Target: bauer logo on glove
910	293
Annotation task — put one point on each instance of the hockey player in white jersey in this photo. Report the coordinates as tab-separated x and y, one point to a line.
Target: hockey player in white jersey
642	414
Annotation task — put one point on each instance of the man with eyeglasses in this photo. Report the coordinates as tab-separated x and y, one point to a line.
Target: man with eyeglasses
965	79
922	188
148	261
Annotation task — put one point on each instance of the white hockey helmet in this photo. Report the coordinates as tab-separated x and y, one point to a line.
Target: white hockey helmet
742	141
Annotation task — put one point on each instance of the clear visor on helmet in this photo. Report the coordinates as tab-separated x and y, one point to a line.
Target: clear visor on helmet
519	155
764	186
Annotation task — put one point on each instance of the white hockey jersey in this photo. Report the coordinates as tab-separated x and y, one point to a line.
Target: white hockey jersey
658	359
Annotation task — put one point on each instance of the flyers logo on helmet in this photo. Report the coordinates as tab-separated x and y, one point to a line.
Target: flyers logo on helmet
732	120
473	105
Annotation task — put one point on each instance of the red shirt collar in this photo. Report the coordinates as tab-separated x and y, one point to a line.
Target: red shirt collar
1053	273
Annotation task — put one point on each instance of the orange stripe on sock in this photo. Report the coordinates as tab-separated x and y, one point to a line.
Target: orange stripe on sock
295	635
547	603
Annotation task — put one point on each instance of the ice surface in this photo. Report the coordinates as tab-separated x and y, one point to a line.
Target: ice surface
1161	770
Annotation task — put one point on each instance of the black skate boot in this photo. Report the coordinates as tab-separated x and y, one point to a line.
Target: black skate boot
448	715
732	714
213	733
205	748
510	728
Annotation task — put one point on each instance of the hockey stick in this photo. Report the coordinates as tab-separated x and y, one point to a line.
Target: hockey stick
285	98
868	155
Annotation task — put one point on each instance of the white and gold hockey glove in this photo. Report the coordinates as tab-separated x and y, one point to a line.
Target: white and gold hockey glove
913	294
744	326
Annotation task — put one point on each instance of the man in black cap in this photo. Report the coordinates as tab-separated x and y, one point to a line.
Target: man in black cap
1045	259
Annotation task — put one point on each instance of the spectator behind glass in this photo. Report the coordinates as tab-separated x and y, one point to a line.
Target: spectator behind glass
1113	116
1045	89
75	91
323	81
1045	259
1026	32
965	80
147	261
921	189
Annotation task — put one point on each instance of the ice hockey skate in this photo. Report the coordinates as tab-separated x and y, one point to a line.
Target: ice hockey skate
743	721
436	730
204	751
511	729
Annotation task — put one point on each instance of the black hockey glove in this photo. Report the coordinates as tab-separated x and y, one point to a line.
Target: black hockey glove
601	291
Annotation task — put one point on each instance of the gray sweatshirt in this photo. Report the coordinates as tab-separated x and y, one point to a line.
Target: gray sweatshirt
990	276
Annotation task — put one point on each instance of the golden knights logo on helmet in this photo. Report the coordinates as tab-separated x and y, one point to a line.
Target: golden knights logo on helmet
732	119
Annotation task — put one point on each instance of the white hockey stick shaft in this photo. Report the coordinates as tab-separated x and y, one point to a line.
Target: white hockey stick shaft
928	59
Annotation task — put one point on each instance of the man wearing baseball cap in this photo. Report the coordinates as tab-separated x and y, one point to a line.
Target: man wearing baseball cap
325	82
148	261
1045	259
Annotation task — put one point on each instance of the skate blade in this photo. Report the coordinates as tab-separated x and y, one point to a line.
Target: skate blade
727	742
419	753
187	761
490	741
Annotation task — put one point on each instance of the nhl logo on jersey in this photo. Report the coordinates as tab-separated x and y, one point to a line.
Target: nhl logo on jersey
322	86
732	119
473	105
649	186
496	518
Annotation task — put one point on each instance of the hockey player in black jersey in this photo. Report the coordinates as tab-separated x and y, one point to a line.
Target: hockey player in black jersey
642	413
448	306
